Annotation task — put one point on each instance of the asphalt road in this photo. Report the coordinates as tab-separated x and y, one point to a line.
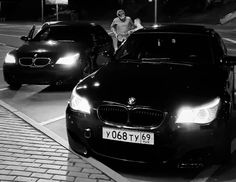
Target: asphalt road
46	105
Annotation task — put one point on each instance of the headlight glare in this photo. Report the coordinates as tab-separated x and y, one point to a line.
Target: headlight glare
10	59
200	115
68	60
79	103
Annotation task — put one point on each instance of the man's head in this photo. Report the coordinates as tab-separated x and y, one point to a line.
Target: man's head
121	14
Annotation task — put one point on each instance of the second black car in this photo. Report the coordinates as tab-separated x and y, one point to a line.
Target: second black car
60	53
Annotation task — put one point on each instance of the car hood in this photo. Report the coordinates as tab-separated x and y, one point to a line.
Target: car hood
48	48
161	86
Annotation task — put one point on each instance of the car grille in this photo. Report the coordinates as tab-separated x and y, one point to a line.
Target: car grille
34	62
137	116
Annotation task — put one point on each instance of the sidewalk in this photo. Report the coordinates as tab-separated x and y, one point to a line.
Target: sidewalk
31	153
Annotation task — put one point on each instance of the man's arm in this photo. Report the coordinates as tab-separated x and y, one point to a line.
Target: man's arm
113	28
131	24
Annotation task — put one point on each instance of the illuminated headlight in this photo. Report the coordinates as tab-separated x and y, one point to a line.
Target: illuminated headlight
203	114
10	59
79	103
68	60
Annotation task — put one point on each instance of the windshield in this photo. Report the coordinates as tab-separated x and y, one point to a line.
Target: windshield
166	47
62	33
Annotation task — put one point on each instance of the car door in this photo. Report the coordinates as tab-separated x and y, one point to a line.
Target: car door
104	46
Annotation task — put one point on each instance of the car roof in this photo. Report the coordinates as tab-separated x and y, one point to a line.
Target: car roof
179	28
71	24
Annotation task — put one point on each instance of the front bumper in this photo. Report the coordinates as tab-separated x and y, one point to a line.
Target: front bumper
172	142
47	75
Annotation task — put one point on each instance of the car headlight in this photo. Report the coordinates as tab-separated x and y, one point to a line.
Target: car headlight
79	103
68	60
10	59
203	114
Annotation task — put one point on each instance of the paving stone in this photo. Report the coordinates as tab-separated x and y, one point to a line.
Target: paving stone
63	178
36	169
19	168
41	175
85	180
91	171
50	166
29	155
20	173
98	176
7	177
3	171
78	174
25	179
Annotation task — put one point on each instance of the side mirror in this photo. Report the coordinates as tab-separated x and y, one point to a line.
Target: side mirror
24	38
31	32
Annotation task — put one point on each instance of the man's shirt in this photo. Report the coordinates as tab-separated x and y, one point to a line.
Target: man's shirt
122	27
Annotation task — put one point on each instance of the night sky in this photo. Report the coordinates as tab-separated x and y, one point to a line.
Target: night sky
30	10
81	9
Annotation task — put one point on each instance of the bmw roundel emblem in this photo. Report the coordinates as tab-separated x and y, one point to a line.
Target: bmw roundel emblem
131	101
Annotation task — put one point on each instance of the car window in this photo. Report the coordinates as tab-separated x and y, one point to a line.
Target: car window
170	47
63	33
100	35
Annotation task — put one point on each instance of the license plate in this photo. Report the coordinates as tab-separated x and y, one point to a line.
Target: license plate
130	136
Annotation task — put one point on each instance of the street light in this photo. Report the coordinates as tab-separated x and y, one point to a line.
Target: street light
42	19
155	12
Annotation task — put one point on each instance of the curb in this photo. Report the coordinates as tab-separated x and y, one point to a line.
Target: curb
106	170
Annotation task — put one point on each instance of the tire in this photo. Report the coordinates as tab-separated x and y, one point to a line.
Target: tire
14	86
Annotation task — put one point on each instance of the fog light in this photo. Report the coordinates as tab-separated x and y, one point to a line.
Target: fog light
87	133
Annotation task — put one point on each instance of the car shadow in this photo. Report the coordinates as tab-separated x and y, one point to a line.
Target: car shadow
227	172
151	172
58	88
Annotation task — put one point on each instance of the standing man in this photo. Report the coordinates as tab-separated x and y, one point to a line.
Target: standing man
121	25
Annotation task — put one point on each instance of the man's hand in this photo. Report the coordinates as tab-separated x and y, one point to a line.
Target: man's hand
130	32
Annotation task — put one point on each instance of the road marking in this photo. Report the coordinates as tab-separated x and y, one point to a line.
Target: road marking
52	120
206	174
2	89
10	35
230	40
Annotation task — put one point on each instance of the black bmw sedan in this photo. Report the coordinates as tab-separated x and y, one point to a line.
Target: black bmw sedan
59	53
167	95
